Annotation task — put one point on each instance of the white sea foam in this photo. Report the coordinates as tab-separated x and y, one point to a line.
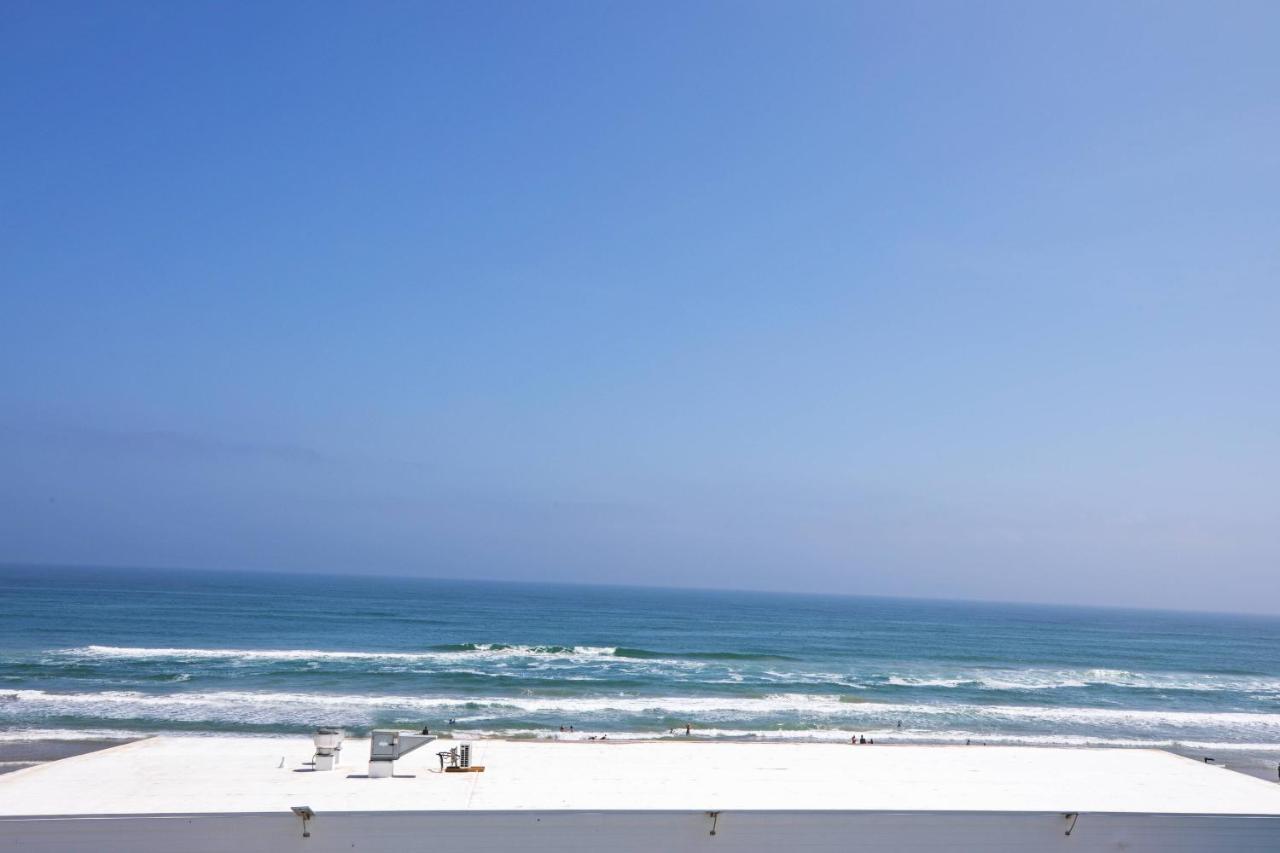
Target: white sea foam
798	709
865	675
459	659
482	650
1049	679
882	736
29	734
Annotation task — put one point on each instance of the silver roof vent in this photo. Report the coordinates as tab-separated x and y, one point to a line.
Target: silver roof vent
328	748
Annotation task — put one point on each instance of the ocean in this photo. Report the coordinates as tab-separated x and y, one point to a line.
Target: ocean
103	653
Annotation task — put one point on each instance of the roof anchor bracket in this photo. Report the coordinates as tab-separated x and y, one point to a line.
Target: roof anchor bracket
306	814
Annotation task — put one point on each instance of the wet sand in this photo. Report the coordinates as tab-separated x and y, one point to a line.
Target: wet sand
1262	765
17	754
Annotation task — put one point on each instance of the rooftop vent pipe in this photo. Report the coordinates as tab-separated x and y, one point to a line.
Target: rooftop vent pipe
328	748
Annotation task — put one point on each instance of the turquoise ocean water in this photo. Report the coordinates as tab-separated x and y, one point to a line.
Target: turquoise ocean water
91	652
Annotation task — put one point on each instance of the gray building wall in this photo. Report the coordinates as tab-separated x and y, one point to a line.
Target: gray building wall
570	832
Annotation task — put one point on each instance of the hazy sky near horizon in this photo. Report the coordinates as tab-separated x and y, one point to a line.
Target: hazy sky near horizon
938	299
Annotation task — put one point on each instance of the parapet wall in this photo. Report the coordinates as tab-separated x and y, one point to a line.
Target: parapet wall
578	832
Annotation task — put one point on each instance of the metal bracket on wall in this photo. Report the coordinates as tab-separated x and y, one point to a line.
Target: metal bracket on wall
306	814
1073	817
715	819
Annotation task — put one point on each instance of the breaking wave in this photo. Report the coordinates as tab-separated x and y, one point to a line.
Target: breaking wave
646	654
787	711
1055	679
730	667
444	652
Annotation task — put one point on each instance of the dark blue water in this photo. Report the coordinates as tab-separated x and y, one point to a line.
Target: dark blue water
134	651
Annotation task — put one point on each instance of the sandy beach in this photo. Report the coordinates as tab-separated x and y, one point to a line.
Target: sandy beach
17	754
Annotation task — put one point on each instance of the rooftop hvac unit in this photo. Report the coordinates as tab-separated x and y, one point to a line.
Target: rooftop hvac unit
387	745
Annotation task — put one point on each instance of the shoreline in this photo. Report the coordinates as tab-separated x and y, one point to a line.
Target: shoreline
21	754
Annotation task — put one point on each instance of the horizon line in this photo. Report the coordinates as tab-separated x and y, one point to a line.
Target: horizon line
605	585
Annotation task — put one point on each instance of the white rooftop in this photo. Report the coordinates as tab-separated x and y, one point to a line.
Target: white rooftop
199	775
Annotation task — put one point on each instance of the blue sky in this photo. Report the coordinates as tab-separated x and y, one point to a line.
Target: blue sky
940	299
